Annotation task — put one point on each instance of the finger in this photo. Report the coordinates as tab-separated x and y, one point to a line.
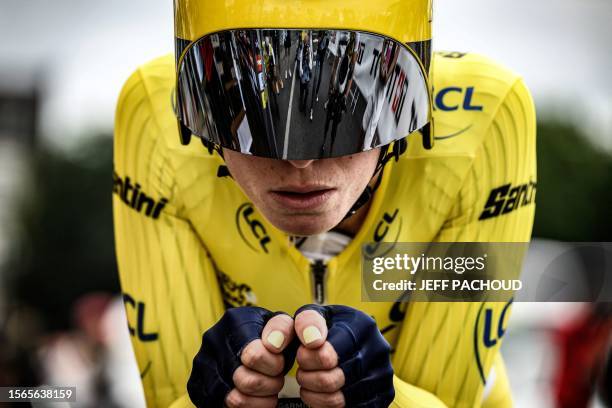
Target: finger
323	358
236	399
255	384
326	381
278	333
322	400
256	357
311	328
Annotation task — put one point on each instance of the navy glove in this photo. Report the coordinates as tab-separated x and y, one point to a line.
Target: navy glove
219	356
363	355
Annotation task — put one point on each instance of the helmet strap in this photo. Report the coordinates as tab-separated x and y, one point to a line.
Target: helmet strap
399	147
222	171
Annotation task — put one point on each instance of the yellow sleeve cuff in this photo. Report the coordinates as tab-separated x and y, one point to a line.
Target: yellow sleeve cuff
409	396
183	402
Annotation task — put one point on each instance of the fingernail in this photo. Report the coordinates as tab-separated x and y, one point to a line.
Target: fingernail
310	334
276	338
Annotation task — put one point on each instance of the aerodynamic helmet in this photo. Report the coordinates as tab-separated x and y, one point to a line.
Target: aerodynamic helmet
226	72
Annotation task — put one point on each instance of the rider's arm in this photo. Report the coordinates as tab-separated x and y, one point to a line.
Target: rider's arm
410	396
464	364
168	281
498	394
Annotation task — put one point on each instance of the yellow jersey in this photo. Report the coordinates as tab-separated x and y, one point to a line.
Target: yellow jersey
190	243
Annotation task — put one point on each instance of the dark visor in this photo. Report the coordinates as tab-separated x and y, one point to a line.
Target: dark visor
301	94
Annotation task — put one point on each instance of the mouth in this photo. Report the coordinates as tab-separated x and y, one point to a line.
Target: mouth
302	198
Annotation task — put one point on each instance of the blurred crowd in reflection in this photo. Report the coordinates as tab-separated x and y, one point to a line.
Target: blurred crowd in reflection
233	75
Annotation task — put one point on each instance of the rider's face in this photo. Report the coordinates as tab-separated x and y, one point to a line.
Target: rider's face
303	197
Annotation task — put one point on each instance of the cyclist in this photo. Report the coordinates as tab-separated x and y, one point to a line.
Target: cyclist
322	43
240	260
304	60
341	79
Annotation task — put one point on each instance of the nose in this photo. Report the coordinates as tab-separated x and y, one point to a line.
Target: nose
300	164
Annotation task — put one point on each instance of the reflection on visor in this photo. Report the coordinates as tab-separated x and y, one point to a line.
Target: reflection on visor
301	94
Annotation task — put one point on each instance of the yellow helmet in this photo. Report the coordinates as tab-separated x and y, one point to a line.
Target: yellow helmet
374	58
407	21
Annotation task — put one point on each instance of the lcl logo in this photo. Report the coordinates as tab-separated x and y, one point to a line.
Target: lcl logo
251	230
387	230
139	330
489	330
455	98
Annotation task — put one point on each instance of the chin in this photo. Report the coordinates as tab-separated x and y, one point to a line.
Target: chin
305	225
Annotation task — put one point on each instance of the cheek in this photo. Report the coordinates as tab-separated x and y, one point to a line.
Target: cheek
241	169
358	170
253	174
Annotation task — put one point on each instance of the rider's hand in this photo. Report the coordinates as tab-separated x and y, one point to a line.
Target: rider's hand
243	359
343	358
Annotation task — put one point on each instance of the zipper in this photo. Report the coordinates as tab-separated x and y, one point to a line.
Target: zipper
318	272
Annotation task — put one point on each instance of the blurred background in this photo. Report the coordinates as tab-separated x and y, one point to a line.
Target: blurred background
62	65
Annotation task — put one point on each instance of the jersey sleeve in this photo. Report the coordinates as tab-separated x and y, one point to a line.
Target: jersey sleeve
168	280
497	393
407	395
495	203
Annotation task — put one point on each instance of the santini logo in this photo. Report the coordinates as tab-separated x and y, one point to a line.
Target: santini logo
505	199
131	195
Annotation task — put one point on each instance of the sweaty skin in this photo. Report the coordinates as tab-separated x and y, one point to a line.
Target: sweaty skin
304	197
